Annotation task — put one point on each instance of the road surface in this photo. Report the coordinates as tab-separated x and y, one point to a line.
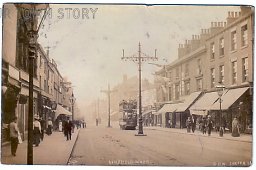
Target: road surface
99	145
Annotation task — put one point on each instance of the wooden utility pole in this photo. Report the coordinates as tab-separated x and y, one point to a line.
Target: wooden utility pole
108	92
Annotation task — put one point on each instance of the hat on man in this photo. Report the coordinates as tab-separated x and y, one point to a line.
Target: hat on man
36	117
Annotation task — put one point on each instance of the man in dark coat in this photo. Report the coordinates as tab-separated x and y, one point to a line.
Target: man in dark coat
68	125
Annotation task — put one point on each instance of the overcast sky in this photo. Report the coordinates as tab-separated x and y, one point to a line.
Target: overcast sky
86	41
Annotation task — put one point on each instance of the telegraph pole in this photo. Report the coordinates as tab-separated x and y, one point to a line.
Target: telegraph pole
99	110
138	59
108	92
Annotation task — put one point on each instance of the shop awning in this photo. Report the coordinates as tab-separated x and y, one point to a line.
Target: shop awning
114	113
61	110
229	98
205	102
188	101
146	112
198	112
168	108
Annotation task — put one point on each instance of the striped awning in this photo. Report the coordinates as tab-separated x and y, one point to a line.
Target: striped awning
229	98
61	110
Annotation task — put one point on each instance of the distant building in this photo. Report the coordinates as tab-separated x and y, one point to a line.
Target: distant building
126	90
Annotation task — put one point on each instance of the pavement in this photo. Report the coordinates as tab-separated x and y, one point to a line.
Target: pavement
53	150
214	134
226	136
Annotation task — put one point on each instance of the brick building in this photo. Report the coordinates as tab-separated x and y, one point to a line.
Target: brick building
222	54
15	76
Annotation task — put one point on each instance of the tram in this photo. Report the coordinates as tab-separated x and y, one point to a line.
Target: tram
128	115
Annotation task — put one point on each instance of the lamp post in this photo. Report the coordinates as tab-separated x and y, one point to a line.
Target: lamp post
72	101
31	29
220	89
139	59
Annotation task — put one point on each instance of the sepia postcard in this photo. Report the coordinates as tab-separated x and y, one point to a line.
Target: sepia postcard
127	84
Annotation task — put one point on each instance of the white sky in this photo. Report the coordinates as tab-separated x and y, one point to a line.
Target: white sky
88	51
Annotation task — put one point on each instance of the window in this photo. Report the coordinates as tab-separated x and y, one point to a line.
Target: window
40	82
221	74
212	77
233	41
212	51
177	91
170	93
45	86
245	69
244	36
221	46
186	69
177	73
234	72
169	75
199	67
199	84
187	88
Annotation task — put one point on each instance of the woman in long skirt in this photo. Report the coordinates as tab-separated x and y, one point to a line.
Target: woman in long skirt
235	128
36	131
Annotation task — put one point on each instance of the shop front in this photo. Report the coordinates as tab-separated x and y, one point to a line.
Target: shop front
60	115
10	97
235	103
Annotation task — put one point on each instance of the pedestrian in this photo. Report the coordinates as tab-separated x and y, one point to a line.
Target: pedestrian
42	122
188	124
50	126
60	126
97	121
193	124
209	125
83	123
224	123
235	128
14	136
169	123
36	130
68	125
204	124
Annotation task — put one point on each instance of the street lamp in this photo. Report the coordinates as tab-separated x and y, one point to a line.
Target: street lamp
30	18
220	89
72	101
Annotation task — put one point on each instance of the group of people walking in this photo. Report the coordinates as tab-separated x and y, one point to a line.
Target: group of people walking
39	128
206	125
